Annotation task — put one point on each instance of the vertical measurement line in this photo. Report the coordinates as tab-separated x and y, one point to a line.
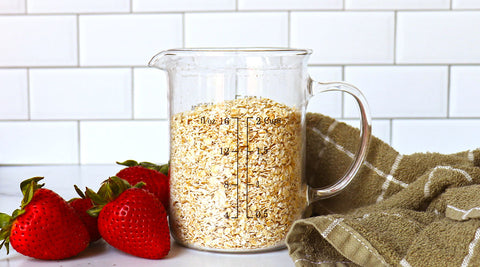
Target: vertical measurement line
238	168
247	182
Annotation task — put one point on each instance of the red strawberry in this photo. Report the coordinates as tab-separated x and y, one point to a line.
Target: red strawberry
45	227
81	205
131	219
152	175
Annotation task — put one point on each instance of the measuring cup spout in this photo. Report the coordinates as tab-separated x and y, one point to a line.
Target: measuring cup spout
160	60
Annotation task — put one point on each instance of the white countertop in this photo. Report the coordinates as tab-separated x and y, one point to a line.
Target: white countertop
62	178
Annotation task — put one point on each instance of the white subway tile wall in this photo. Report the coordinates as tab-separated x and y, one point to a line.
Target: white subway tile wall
427	134
464	90
465	4
345	37
400	91
39	142
126	39
289	4
14	94
110	141
328	103
35	40
233	29
76	93
445	37
150	94
75	87
12	6
396	4
77	6
182	5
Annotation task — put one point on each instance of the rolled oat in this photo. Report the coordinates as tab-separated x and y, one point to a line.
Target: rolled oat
236	171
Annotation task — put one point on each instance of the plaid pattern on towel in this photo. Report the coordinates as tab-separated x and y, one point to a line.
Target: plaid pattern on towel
401	210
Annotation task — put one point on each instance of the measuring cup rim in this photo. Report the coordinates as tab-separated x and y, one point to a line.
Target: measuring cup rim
217	51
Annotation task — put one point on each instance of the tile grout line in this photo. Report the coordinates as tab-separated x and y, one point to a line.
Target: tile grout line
132	90
342	114
391	132
78	40
310	65
183	30
126	119
240	10
289	28
79	146
449	73
395	16
29	110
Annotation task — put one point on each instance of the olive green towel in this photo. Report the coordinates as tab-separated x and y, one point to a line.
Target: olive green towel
401	210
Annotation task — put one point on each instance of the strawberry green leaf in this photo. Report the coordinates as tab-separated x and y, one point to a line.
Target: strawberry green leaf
4	234
28	188
94	211
128	163
79	192
96	198
4	242
4	220
17	213
139	185
24	184
28	193
7	244
149	165
164	168
152	166
108	191
120	185
105	191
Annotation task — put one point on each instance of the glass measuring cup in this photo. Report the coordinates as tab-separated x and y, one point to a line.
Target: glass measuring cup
237	145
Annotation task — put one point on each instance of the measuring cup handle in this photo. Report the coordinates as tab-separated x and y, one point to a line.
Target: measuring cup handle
315	88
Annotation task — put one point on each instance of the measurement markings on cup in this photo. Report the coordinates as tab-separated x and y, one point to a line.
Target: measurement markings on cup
247	183
246	144
238	167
